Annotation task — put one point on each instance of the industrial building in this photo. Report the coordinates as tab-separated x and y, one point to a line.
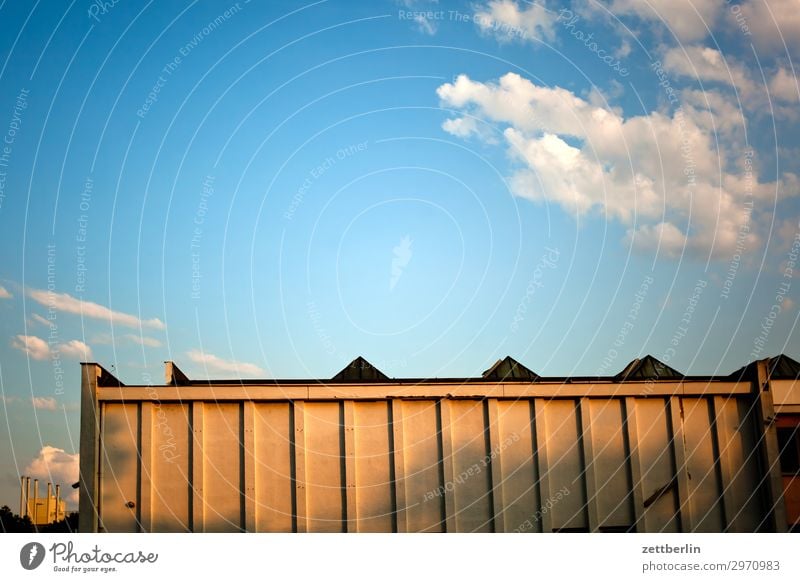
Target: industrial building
647	450
40	510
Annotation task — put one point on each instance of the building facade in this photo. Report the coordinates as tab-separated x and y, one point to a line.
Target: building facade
647	450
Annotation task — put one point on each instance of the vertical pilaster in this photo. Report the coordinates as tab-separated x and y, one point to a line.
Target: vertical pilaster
632	436
249	466
198	461
679	450
588	464
145	505
89	450
300	466
399	466
769	447
350	466
446	431
498	495
544	465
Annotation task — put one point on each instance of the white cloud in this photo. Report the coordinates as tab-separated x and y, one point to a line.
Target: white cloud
773	24
783	236
39	402
58	467
466	126
425	25
143	340
4	294
44	403
663	237
688	21
713	112
676	178
76	349
39	349
423	14
69	304
108	339
783	85
216	364
39	319
708	65
507	21
461	127
35	347
624	49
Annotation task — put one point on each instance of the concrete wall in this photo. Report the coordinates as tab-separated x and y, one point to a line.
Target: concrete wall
477	457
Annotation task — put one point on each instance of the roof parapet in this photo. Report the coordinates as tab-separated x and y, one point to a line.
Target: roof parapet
173	376
105	379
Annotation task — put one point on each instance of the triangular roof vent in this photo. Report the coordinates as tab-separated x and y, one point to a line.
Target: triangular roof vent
649	368
509	369
360	370
783	368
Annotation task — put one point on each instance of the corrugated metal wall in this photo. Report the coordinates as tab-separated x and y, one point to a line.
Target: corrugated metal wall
657	463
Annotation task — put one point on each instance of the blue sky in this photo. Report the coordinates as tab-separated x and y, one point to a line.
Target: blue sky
271	189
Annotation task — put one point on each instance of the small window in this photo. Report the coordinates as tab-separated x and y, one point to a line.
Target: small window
789	450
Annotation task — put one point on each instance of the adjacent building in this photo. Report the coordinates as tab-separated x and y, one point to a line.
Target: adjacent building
647	450
40	510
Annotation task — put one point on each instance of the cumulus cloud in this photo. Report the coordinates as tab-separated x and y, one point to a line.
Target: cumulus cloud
67	303
35	347
774	24
687	21
38	402
44	403
4	294
461	126
678	178
38	349
783	86
216	364
467	126
708	65
57	466
508	21
76	349
783	236
665	238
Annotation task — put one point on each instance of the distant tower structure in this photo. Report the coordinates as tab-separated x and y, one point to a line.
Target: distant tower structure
41	511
